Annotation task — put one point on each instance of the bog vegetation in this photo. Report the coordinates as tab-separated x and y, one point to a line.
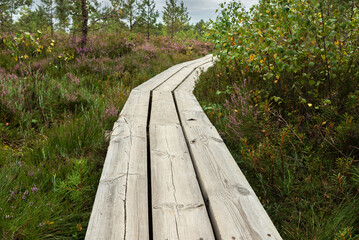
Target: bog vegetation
285	96
59	94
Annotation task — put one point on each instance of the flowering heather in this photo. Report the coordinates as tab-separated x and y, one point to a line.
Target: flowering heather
148	48
12	194
25	194
34	189
2	87
56	102
238	108
72	97
111	111
73	78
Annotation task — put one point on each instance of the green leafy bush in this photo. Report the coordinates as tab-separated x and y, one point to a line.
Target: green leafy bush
284	97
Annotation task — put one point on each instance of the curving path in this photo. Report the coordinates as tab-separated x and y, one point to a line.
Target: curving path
169	175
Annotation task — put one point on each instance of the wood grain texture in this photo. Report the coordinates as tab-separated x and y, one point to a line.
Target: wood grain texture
182	74
178	209
120	210
189	84
163	76
234	209
163	109
180	185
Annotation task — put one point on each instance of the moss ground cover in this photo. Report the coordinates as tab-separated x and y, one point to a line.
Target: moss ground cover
285	97
56	103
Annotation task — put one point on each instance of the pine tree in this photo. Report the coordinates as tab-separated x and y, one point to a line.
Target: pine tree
85	18
170	15
148	15
175	16
8	9
49	8
183	16
126	9
62	15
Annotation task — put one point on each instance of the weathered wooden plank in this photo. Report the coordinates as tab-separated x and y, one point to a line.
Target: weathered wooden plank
135	109
177	204
185	72
234	209
233	206
163	109
178	208
121	206
163	76
189	84
120	210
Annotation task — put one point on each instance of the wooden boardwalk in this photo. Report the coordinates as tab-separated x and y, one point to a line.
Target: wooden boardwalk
168	173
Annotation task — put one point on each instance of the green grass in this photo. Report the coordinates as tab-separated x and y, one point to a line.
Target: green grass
56	104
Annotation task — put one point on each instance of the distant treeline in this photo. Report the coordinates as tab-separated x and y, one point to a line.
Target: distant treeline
82	16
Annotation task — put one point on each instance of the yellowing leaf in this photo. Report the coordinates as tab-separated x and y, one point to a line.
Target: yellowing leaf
275	56
79	227
310	105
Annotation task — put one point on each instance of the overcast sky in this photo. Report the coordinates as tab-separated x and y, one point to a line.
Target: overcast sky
198	9
202	9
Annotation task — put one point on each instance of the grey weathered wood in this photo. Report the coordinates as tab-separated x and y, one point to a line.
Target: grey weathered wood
189	84
163	76
178	184
120	210
181	75
235	210
178	208
163	109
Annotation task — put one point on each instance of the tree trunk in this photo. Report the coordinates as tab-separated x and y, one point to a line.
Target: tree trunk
131	21
148	22
84	24
52	23
172	27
